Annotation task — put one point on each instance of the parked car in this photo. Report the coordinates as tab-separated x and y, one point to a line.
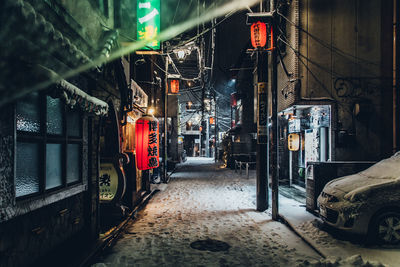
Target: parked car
366	203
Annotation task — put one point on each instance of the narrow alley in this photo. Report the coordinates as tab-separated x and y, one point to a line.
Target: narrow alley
206	202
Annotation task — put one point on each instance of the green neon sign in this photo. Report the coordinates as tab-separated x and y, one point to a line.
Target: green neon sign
148	22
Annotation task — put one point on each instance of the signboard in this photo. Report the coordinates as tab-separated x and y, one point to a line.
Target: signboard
294	125
108	182
148	22
262	113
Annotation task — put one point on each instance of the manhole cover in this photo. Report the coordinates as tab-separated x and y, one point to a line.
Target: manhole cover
210	245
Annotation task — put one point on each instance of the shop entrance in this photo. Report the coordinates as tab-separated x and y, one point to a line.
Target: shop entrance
306	136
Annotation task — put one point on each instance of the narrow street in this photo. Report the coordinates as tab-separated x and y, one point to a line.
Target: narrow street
206	202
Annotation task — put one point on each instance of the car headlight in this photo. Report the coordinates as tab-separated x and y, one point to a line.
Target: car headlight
355	197
330	198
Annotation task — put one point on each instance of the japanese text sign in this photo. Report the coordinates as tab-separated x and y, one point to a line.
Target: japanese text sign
148	22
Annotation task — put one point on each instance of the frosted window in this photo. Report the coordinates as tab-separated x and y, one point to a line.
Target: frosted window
28	114
73	163
27	175
74	127
54	116
53	165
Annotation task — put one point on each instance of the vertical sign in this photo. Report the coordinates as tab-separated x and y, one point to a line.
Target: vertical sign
148	22
147	145
262	116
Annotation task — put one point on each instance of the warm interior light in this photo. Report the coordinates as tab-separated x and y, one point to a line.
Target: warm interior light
151	111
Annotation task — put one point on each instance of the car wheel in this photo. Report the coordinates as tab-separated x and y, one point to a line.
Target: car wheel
386	228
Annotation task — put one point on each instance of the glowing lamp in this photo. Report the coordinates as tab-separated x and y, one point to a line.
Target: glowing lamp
181	54
151	111
211	120
258	34
174	86
147	145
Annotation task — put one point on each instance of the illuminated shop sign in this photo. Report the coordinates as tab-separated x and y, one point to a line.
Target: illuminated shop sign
148	22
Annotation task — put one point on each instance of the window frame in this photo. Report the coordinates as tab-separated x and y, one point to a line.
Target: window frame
42	138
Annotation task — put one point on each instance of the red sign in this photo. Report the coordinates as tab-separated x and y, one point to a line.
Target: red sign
147	144
258	34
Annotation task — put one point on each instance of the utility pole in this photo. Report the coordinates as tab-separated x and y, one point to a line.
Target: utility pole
262	131
208	136
274	118
165	173
262	158
215	128
263	136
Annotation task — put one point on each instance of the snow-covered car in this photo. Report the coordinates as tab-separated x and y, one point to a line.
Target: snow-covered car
366	203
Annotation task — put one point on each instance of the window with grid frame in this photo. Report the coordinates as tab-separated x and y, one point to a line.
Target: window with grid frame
49	145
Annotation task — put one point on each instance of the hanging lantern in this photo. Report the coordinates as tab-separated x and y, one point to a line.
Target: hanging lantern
258	34
211	120
147	145
293	142
174	86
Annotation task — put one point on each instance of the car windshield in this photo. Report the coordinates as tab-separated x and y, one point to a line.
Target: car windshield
385	169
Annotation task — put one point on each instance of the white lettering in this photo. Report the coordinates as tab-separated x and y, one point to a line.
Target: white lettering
144	5
149	16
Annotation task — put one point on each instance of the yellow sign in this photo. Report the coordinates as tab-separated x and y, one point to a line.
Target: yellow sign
293	142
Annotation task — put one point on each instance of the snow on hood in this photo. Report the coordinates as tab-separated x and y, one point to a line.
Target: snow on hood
383	173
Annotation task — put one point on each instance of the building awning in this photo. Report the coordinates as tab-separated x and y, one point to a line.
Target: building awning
73	96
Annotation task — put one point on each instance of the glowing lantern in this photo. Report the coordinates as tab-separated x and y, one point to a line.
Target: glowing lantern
258	34
174	86
147	145
293	142
211	120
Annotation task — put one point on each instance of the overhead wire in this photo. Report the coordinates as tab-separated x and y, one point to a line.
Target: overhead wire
323	43
315	77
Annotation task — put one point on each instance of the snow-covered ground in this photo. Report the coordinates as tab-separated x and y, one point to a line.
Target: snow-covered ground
206	202
331	243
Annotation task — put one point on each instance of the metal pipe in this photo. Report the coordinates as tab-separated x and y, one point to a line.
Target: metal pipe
166	122
274	128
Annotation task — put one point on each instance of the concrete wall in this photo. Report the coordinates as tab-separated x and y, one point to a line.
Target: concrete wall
344	56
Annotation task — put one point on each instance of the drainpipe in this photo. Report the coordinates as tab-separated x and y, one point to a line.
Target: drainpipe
396	77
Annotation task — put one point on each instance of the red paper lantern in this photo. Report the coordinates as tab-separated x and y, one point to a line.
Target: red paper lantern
174	85
147	145
233	100
211	120
258	34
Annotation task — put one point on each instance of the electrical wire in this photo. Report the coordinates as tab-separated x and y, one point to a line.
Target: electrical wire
318	81
330	47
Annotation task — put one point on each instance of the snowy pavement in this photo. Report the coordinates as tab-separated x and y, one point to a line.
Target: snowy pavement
206	216
207	203
333	243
